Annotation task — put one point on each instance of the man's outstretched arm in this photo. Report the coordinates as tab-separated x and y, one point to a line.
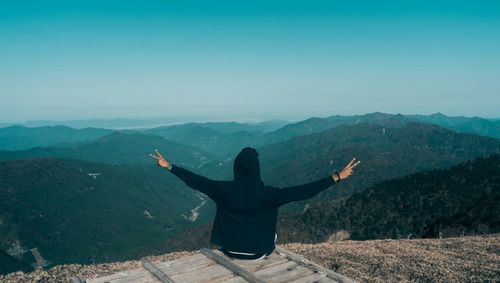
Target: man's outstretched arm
193	180
280	196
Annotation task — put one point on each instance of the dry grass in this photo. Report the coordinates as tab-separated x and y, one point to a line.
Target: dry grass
467	259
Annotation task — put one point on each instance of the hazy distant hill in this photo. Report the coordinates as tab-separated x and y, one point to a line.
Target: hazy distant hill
131	123
421	204
113	123
20	137
478	125
233	127
226	139
76	211
221	142
119	148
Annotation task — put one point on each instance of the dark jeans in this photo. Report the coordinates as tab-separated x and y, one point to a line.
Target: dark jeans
244	256
247	256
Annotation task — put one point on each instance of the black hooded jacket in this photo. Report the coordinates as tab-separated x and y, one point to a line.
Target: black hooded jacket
247	210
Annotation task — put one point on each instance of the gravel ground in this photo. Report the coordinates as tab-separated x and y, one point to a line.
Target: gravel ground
467	259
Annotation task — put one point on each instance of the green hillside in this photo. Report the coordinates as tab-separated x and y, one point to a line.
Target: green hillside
384	153
119	148
77	211
424	204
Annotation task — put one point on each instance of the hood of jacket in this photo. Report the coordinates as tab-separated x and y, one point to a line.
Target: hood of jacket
247	166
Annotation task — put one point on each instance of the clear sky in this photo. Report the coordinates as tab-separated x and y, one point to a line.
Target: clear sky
266	59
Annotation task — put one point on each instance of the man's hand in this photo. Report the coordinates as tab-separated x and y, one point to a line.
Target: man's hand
347	171
161	160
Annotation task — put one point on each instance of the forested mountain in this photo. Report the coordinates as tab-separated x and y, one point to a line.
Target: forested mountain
444	202
20	137
77	211
480	217
384	153
119	148
316	125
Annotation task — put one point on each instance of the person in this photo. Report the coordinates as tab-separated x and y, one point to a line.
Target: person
246	209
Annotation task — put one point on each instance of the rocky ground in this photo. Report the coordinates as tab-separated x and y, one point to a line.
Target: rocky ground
465	259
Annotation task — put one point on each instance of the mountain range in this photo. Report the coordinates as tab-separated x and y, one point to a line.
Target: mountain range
94	195
225	138
21	137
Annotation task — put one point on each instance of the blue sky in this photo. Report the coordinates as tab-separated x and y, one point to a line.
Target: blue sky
247	59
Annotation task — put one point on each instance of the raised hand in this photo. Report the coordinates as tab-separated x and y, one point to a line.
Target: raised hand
347	171
161	160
